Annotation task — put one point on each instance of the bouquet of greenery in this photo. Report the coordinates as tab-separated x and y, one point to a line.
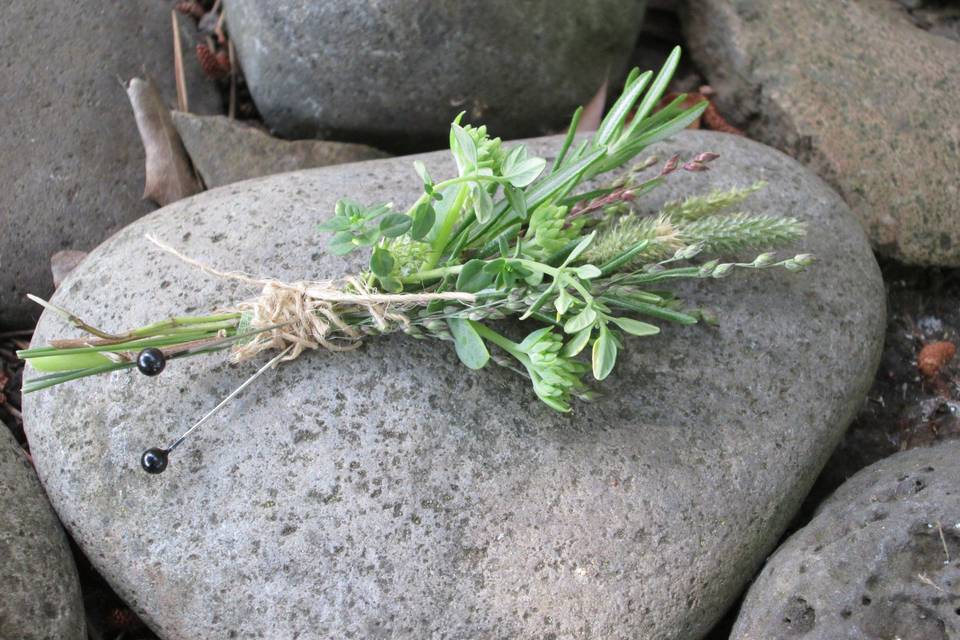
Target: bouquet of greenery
507	236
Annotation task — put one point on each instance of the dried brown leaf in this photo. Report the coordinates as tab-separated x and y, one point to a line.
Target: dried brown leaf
169	176
593	112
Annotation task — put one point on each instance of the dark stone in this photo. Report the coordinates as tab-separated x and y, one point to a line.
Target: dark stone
38	579
71	160
399	71
881	559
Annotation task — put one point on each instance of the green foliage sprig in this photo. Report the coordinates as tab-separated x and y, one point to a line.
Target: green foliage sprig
527	241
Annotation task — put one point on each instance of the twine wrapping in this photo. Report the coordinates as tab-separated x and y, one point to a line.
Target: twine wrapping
309	314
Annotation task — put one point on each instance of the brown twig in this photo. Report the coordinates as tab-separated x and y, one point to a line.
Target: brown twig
232	110
12	410
182	100
74	320
221	36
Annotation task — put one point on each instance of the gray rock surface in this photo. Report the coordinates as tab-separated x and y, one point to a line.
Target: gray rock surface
399	71
390	492
38	580
71	162
225	151
856	91
881	559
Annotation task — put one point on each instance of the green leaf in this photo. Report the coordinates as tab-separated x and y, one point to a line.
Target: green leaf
367	238
563	301
580	321
466	149
516	155
334	224
588	272
654	310
469	345
618	112
658	133
473	277
421	170
342	243
655	92
518	201
395	224
520	170
533	338
580	248
577	342
376	210
391	284
571	133
482	204
548	187
347	207
540	301
526	172
636	327
542	190
423	220
604	354
381	262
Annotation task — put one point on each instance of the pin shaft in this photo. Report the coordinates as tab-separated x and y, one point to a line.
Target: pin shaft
233	394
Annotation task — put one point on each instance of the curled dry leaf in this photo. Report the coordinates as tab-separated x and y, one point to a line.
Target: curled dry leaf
169	176
593	112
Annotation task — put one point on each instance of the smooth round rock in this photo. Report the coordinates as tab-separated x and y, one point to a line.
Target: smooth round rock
391	492
856	91
398	71
881	559
38	578
71	160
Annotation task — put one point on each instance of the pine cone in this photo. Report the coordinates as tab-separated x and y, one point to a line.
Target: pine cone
215	65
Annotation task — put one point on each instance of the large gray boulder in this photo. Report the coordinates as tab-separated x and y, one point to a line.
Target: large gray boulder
390	492
856	91
398	71
38	579
881	559
71	161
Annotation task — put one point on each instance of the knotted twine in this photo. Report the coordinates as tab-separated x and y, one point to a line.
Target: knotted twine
308	314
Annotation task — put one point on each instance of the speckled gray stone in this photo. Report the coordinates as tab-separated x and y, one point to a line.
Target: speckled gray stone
857	92
881	559
71	161
224	151
390	492
400	70
38	580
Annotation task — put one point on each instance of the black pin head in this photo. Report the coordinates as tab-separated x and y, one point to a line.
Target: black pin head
151	361
154	460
